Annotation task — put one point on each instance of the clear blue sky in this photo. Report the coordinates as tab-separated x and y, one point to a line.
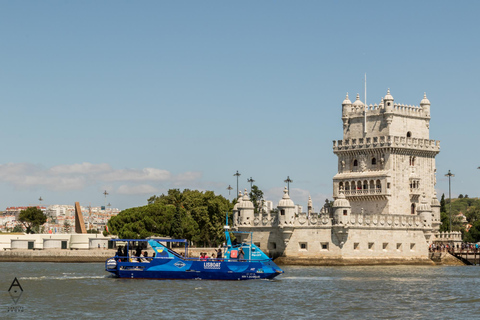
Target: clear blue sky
140	97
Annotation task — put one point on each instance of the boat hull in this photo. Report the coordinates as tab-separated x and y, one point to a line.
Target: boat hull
196	270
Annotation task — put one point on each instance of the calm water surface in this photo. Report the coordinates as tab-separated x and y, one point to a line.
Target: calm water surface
84	291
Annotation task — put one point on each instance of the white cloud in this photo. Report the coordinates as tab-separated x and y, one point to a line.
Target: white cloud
188	176
80	175
26	175
146	174
84	168
139	189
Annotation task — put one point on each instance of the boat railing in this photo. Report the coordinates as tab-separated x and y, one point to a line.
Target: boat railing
225	260
134	259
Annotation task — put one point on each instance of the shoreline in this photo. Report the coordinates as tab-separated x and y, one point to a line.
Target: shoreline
94	256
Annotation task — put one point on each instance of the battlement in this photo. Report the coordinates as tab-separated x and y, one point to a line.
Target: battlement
390	221
386	141
397	109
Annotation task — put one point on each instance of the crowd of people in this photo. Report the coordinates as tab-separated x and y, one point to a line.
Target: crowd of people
217	255
463	247
139	256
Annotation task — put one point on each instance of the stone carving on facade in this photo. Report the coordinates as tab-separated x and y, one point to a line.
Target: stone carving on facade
302	218
363	163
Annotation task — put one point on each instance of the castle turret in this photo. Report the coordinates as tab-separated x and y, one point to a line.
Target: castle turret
358	104
436	220
245	210
346	109
286	209
424	210
388	107
425	105
341	210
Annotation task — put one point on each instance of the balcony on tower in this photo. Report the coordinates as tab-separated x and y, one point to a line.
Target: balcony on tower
414	188
356	189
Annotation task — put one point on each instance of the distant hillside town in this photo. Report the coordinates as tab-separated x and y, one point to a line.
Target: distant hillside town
60	218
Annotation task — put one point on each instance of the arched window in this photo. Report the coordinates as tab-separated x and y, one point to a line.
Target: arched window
413	208
409	134
379	184
372	185
355	163
365	185
340	186
374	161
347	186
359	185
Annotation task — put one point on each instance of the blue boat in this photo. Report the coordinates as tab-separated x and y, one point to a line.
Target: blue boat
168	264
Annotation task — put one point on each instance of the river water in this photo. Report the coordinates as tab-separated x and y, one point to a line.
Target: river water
85	291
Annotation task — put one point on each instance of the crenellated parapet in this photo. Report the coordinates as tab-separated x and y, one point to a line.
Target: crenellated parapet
387	106
386	142
382	221
448	237
397	108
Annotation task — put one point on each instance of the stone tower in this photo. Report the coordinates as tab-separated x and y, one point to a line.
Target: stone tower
386	159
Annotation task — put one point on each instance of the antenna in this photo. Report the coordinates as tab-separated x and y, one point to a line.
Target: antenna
366	106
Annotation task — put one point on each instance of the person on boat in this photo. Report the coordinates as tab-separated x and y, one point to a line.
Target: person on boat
241	255
145	255
119	251
219	254
142	257
138	251
125	253
203	256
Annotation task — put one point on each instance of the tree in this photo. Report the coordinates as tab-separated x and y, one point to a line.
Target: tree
193	215
256	195
460	196
473	215
66	225
473	235
17	228
32	218
442	204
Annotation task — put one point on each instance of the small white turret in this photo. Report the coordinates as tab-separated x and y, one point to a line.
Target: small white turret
388	102
425	105
245	210
424	210
346	104
341	209
435	205
286	209
358	103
